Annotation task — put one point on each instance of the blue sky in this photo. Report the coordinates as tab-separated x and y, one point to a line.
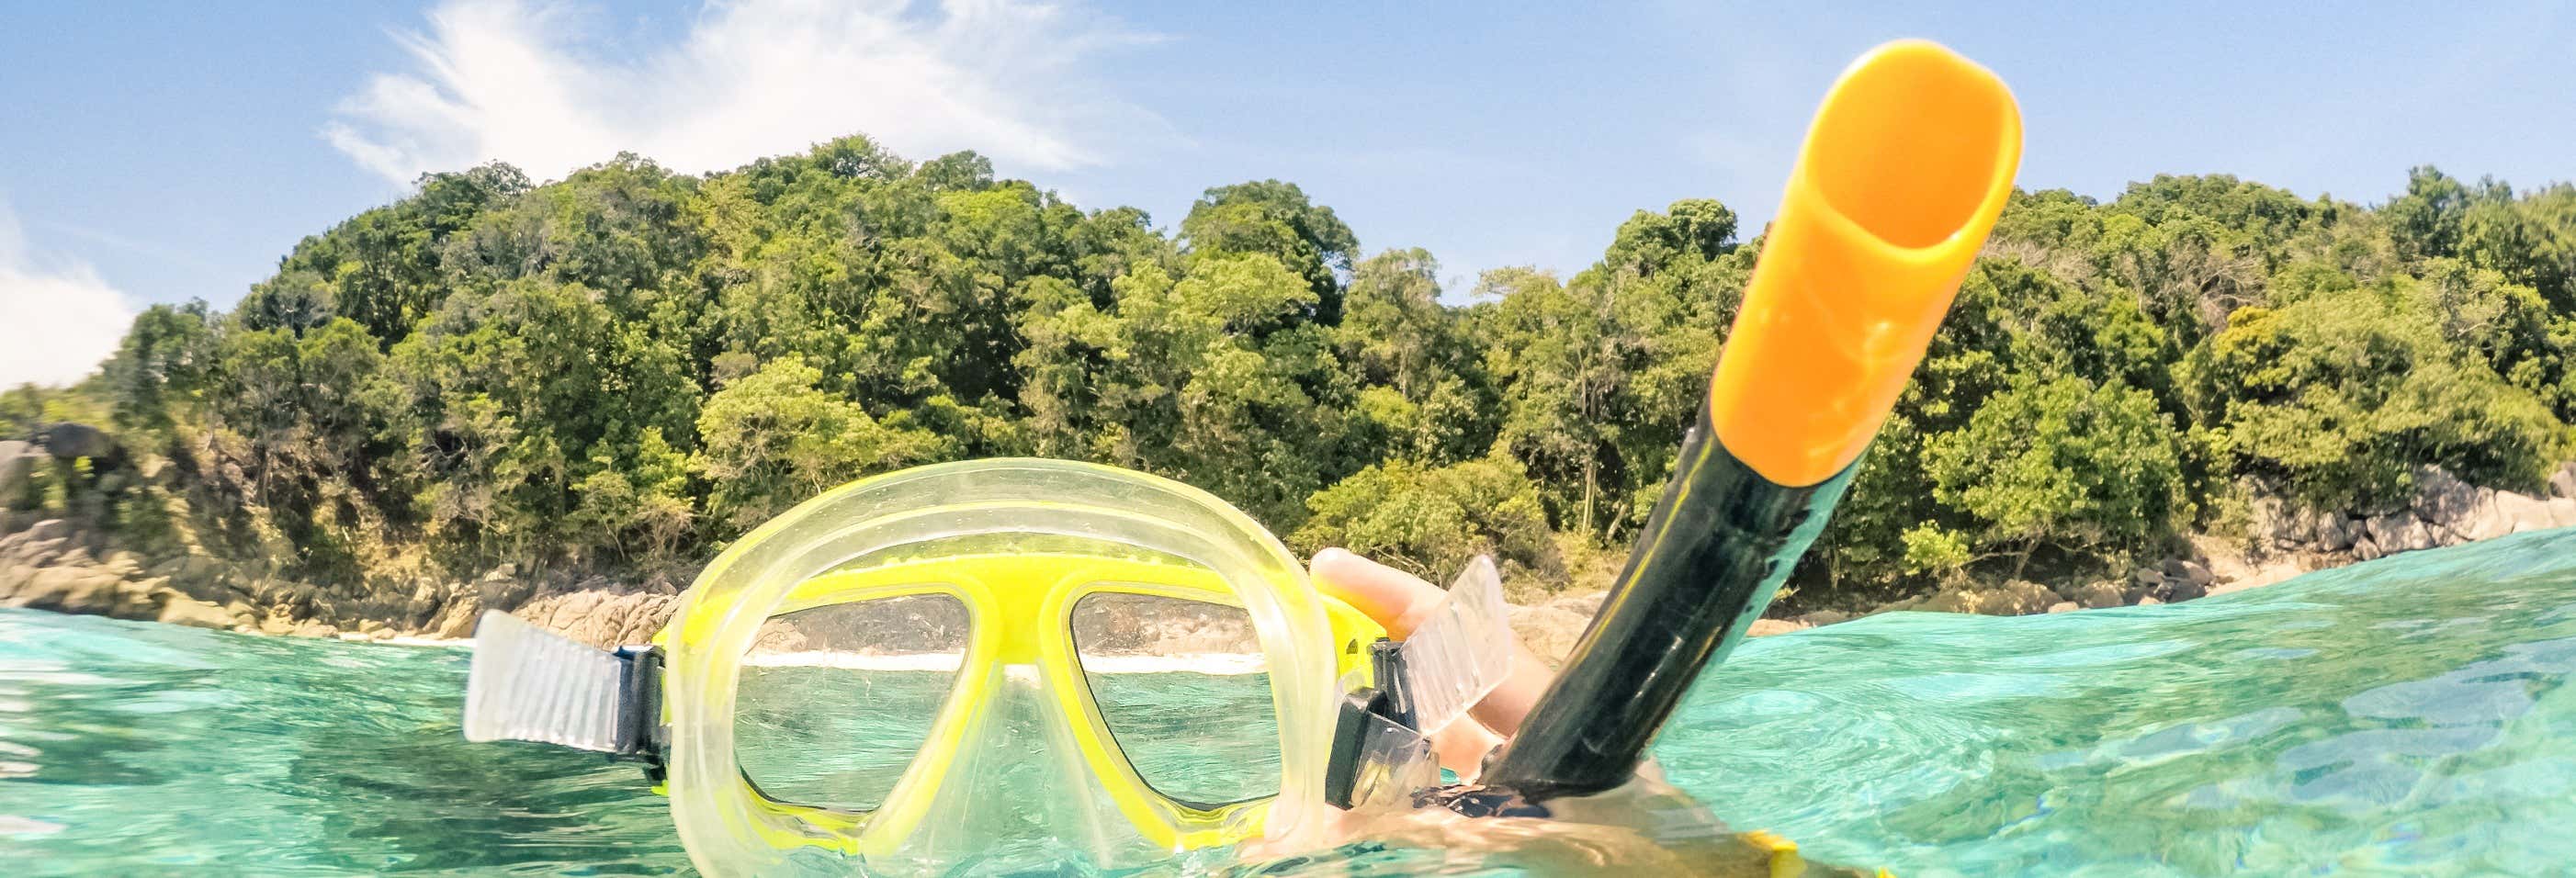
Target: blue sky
167	151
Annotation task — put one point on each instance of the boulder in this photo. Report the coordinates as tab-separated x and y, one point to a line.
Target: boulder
2063	607
502	589
2015	598
2388	532
2562	512
456	621
193	574
2283	525
1768	627
2098	594
49	529
2187	570
2521	512
179	609
2142	582
1586	603
63	590
2183	580
2485	521
603	619
1821	618
2336	533
2562	484
67	440
18	461
40	553
2415	536
2365	550
2441	497
1549	630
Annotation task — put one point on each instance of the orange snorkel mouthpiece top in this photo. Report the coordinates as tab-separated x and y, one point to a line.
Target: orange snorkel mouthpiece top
1905	168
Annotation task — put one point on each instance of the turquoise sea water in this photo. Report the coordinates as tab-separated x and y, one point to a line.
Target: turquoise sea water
2404	717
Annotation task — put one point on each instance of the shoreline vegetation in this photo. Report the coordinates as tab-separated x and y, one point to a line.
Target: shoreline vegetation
559	400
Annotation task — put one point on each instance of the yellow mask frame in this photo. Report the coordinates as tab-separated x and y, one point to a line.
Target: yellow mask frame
948	530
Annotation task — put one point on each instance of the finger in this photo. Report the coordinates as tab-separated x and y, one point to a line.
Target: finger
1401	601
1462	746
1396	600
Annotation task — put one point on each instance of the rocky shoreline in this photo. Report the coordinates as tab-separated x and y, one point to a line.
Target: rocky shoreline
60	564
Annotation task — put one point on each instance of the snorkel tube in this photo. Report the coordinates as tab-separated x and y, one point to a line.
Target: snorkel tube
1904	170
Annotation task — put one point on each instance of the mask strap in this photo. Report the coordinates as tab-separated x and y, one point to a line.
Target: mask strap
530	684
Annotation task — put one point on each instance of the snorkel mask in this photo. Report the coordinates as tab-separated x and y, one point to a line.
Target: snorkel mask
998	664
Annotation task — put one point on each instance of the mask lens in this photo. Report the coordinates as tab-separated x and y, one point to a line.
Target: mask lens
1185	690
833	701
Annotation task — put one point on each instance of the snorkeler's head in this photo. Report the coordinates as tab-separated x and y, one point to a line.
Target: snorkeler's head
958	663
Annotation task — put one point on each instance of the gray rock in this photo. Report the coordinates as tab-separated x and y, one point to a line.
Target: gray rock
18	461
2336	533
2410	536
2364	549
1588	604
179	609
2563	482
1769	627
66	590
2267	518
41	553
67	440
1821	618
2096	595
2486	521
1549	631
2271	519
602	619
2189	570
2441	497
503	590
2015	598
2562	512
2183	589
2063	607
2388	532
2521	512
456	620
49	529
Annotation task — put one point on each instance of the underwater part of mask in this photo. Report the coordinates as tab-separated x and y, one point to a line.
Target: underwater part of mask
1909	161
1013	760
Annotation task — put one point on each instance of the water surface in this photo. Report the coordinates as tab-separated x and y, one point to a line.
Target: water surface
2406	716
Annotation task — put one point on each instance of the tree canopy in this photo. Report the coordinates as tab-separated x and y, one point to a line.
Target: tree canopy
626	368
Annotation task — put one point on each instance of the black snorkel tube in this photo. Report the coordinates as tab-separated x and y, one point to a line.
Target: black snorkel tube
1908	162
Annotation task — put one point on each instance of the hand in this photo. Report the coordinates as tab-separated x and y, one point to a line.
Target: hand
1401	601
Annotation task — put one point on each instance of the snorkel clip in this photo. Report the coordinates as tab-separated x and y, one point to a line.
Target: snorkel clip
1381	739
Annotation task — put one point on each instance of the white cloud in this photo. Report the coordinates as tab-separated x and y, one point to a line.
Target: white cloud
57	318
502	79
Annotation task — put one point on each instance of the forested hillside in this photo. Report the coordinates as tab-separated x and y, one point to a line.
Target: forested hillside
616	373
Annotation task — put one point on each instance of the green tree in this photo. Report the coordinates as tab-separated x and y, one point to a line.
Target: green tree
2063	462
1276	219
1431	520
775	437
